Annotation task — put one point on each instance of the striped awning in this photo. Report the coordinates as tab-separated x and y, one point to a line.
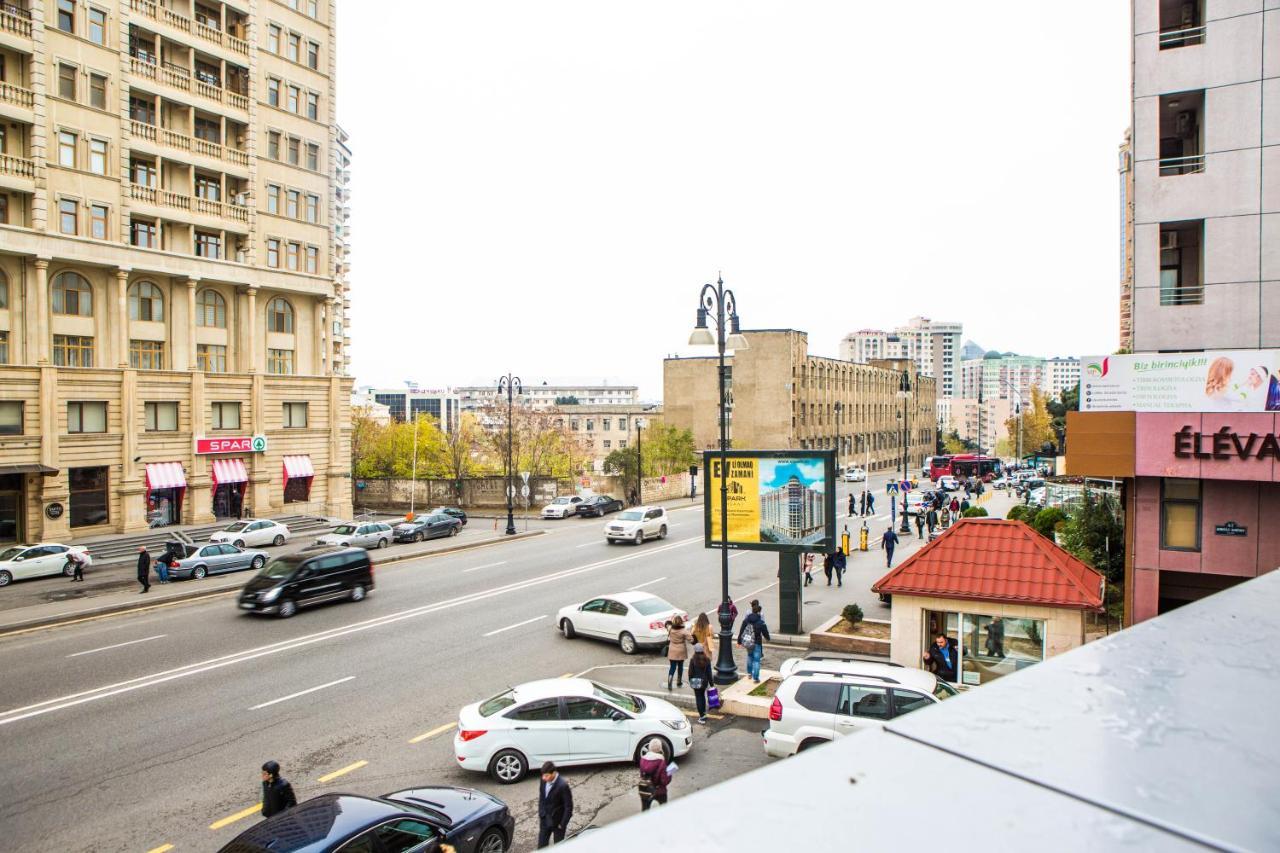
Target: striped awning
229	471
165	475
296	467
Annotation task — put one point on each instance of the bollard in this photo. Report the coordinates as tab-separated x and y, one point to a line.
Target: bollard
862	537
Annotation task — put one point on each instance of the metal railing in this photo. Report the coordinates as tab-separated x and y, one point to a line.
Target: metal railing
1182	38
1190	294
1182	165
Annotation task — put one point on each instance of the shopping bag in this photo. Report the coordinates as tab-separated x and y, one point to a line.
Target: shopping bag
713	697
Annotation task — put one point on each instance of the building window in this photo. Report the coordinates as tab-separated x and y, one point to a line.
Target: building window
273	38
210	130
313	157
98	91
211	358
88	499
273	253
291	255
161	417
1180	515
142	110
72	351
606	423
280	316
280	361
208	188
313	8
607	444
211	309
67	81
144	173
591	424
146	355
208	245
273	92
273	144
292	103
4	347
1181	263
313	259
295	415
142	233
11	417
313	208
4	209
313	55
98	156
97	26
66	149
72	295
293	150
68	213
146	302
291	204
295	47
313	105
86	417
67	15
273	198
622	445
226	415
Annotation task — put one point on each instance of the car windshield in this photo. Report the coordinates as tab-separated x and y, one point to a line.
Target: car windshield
631	515
650	606
344	529
943	690
489	707
279	568
10	553
237	527
624	701
560	501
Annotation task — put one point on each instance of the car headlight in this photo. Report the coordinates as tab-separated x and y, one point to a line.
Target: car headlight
676	724
269	596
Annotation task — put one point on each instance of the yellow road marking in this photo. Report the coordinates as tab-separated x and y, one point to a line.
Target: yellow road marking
230	819
161	849
329	777
439	730
694	714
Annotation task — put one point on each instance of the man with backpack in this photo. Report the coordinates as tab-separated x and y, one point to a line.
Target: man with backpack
751	637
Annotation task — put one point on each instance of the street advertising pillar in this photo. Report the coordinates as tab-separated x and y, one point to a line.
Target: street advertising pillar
790	607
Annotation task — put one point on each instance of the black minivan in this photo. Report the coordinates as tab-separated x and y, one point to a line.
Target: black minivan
297	580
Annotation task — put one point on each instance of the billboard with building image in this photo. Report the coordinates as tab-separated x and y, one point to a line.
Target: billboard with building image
778	500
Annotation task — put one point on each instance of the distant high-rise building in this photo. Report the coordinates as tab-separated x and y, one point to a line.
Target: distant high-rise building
933	345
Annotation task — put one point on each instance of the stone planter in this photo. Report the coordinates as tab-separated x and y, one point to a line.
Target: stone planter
824	639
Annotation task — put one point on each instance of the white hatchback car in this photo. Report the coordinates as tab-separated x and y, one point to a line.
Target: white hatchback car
253	533
633	620
20	562
821	699
636	525
562	507
565	720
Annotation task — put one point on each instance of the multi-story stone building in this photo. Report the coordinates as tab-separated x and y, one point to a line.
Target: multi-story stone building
781	397
542	395
598	430
171	302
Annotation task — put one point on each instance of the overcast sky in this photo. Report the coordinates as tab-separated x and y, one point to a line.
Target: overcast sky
543	187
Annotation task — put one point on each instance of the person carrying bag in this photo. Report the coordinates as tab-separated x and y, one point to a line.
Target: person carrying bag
654	777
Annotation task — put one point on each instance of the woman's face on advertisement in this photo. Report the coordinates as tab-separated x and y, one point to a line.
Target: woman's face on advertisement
1257	377
1219	376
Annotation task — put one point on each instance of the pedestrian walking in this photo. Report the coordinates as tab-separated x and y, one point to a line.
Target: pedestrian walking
654	777
704	634
862	503
964	505
277	793
931	519
700	679
808	565
838	563
888	542
920	524
995	637
871	504
851	504
828	561
144	569
555	806
751	637
678	639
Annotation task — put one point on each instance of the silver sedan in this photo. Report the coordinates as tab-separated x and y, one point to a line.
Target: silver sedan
216	557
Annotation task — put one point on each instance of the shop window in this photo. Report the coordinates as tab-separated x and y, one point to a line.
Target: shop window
88	499
295	415
161	417
11	417
297	490
992	646
1180	515
86	417
226	415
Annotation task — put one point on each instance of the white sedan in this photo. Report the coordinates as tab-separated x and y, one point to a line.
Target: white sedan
565	720
252	534
562	507
854	474
633	620
20	562
948	483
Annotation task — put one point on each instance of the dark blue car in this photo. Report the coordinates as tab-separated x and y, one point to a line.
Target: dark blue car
417	820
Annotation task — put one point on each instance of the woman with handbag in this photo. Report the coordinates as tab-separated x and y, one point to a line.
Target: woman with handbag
678	640
703	634
653	775
700	679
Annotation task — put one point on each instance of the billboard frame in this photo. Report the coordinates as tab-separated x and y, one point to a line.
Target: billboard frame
711	500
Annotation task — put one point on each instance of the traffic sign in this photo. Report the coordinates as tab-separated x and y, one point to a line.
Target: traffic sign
524	491
511	491
524	475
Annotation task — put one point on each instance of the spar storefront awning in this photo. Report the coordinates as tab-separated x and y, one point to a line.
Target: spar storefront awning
229	471
165	475
298	467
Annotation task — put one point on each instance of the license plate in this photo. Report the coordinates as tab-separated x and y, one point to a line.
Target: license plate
246	605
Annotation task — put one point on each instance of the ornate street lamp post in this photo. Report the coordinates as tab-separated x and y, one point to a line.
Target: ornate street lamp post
904	393
511	385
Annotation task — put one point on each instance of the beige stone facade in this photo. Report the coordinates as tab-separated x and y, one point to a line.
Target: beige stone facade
172	230
601	429
784	398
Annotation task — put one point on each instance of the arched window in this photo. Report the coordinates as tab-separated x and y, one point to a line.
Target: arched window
280	316
4	291
72	295
211	309
146	302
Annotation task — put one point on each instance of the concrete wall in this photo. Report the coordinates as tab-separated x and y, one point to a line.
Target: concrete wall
385	494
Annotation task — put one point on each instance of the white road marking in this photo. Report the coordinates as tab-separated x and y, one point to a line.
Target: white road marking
647	583
116	646
754	591
517	625
485	566
585	544
60	703
301	693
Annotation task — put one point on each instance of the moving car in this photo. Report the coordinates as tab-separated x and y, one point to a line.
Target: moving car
427	527
450	510
854	474
253	532
566	720
562	507
369	534
417	820
631	619
1000	483
821	699
918	500
599	505
19	562
637	524
948	483
197	561
300	580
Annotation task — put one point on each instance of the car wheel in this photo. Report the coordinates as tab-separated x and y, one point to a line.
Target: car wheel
5	578
627	643
239	543
566	628
810	744
257	562
287	608
639	537
417	537
644	743
382	543
357	593
279	540
199	573
453	531
662	532
492	842
67	571
508	767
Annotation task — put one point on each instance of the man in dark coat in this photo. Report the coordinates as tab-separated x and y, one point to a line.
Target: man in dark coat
888	541
838	563
144	569
555	806
828	561
851	500
943	656
277	793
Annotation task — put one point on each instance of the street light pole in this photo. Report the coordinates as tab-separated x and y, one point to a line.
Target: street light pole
904	391
413	476
639	465
839	408
511	385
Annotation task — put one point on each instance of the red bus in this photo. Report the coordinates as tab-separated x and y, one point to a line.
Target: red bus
968	465
938	466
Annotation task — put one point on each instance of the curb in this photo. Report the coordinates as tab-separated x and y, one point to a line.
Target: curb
200	595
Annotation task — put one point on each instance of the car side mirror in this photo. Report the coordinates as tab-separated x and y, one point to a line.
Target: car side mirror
617	716
19	559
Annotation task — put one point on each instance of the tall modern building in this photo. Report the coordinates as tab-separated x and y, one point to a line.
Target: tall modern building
172	299
406	404
933	345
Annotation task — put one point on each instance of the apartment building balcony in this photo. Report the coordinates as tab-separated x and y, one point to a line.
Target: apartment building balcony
18	97
199	29
182	142
188	203
144	64
15	19
18	166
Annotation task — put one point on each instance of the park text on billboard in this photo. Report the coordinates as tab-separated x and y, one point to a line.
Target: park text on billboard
1213	381
778	500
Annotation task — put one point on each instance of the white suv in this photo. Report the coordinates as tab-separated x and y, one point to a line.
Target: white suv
821	699
636	525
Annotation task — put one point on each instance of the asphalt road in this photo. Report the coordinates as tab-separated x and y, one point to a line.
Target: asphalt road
141	731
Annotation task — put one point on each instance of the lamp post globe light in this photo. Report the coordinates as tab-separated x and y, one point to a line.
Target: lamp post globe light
511	385
904	393
717	304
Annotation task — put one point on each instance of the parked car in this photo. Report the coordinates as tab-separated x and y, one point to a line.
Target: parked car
417	820
948	483
631	619
253	533
566	720
300	580
821	699
451	511
197	561
1038	497
562	507
427	527
369	534
637	524
854	474
20	562
1000	483
597	506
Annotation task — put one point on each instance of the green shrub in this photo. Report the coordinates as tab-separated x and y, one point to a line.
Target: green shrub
1017	513
1047	521
852	614
975	512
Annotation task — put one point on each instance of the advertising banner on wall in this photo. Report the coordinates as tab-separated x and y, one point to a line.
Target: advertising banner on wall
778	500
1213	381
